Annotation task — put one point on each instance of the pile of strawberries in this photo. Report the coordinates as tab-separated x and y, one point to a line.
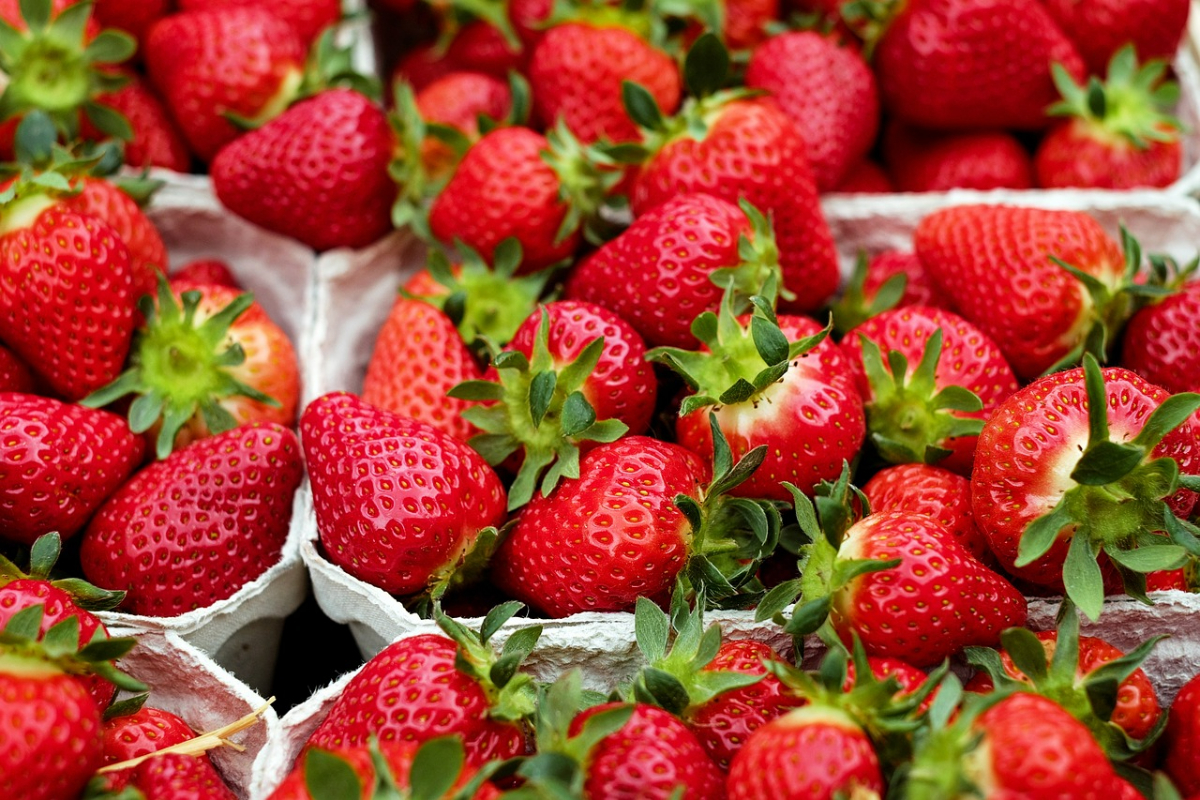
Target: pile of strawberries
627	381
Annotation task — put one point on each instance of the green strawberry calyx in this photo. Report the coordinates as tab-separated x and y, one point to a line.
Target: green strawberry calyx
911	420
587	175
59	650
42	558
1053	671
180	368
407	168
1129	107
1117	503
51	67
538	408
437	767
512	693
854	308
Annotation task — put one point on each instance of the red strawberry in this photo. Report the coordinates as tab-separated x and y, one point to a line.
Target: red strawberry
1182	737
307	17
1074	465
811	753
651	756
207	63
398	502
1101	27
156	140
106	201
458	100
329	151
920	416
1162	343
15	376
866	177
207	271
576	72
425	686
828	91
74	270
206	360
1118	134
972	63
140	733
132	16
932	491
926	161
60	462
994	263
907	676
661	272
225	524
174	775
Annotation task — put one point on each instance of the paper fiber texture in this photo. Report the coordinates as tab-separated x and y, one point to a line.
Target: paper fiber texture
188	683
242	632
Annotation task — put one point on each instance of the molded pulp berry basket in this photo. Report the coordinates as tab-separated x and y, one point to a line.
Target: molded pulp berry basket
354	293
242	632
188	683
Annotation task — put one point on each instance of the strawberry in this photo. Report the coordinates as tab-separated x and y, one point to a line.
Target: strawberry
1118	134
307	17
1080	673
132	16
1100	457
173	775
775	382
207	271
814	753
426	686
670	264
1181	761
733	148
1161	342
398	502
887	280
576	72
828	91
1100	28
225	524
61	461
329	151
457	101
15	376
954	64
999	265
141	732
932	491
212	62
75	271
933	413
206	360
866	177
154	141
927	161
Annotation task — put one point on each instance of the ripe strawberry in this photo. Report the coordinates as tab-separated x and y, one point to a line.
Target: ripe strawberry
173	775
398	502
814	753
422	687
208	271
866	177
458	100
186	387
15	376
670	264
1161	342
1181	760
924	415
156	141
74	271
932	491
738	149
576	72
146	730
828	91
1118	134
66	461
329	151
995	264
132	16
307	17
225	524
1101	27
106	201
207	63
1081	463
954	64
927	161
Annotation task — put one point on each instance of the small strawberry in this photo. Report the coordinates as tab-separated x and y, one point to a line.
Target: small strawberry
927	161
59	462
328	151
828	91
399	504
425	686
139	733
1100	28
1118	134
154	140
230	505
1161	342
932	491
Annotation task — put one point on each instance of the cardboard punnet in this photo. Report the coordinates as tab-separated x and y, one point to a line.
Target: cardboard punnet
191	685
242	632
355	289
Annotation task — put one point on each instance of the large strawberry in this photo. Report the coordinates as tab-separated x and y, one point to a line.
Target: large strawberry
999	267
68	305
1118	134
671	263
399	504
194	528
59	462
327	152
828	91
1100	28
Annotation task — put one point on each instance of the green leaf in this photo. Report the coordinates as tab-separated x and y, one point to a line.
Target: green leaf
1166	418
666	690
1082	578
36	137
36	13
110	47
496	618
62	638
769	340
806	618
26	622
1150	559
328	777
1026	651
436	768
44	555
541	393
651	629
1097	396
1040	535
1106	462
777	599
477	391
706	66
642	107
577	414
109	120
